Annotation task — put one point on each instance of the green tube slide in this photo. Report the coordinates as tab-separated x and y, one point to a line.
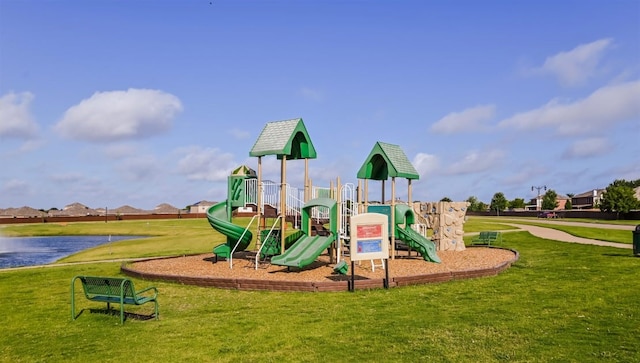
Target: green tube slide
217	217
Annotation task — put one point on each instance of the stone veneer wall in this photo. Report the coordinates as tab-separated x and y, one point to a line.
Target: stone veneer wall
447	221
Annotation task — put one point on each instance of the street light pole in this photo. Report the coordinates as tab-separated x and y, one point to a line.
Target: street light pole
538	204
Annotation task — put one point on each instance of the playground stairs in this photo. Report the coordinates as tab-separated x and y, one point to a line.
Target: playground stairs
270	211
318	229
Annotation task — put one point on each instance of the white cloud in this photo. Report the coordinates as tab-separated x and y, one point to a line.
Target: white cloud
600	110
577	65
120	150
426	164
139	168
587	148
208	164
311	94
70	177
16	187
271	170
120	115
16	120
471	119
525	173
475	162
626	172
239	134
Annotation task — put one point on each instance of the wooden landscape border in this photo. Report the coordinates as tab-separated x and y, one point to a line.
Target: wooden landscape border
316	286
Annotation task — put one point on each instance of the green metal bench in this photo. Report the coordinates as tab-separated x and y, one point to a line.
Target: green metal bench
113	290
486	238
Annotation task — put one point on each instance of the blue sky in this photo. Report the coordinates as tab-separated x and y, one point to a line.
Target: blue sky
112	103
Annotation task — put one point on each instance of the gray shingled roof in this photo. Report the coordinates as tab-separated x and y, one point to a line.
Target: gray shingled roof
284	138
387	160
399	160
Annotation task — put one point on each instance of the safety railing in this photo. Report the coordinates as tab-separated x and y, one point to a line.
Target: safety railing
266	238
271	195
238	242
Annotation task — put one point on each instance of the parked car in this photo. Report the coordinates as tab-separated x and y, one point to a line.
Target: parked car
547	215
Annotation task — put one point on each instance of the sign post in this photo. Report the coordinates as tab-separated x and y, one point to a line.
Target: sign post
369	241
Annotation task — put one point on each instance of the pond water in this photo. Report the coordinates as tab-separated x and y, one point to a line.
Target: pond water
32	251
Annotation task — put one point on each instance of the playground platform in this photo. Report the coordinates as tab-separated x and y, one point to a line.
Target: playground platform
202	270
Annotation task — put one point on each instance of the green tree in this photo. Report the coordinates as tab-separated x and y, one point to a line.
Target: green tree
619	197
445	199
568	205
517	203
474	204
498	202
550	200
482	207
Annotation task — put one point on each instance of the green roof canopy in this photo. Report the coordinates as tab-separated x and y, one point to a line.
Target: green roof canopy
289	138
244	170
387	160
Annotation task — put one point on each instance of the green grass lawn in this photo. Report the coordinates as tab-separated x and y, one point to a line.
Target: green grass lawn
560	302
475	224
611	235
601	234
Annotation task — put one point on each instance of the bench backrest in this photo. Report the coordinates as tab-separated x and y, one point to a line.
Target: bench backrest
107	286
489	234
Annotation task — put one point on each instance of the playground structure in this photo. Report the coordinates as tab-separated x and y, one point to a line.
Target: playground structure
310	209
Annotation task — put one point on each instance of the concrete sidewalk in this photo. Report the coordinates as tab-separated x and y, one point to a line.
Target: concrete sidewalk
577	224
556	235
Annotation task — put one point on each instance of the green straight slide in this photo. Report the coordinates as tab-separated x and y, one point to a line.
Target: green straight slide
303	252
217	217
418	242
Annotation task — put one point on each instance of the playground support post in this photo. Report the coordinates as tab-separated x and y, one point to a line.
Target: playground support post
283	200
386	273
393	217
335	256
259	202
366	195
359	197
306	180
351	282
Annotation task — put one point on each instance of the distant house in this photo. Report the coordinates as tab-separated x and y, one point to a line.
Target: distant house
165	208
22	212
128	210
562	201
536	203
74	210
200	207
587	200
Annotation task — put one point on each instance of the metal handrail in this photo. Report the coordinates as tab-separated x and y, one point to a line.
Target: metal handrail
266	238
271	195
238	242
348	202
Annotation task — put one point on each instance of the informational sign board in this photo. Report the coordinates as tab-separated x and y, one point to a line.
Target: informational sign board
369	237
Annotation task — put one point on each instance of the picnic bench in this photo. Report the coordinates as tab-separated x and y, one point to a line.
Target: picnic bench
486	238
113	290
